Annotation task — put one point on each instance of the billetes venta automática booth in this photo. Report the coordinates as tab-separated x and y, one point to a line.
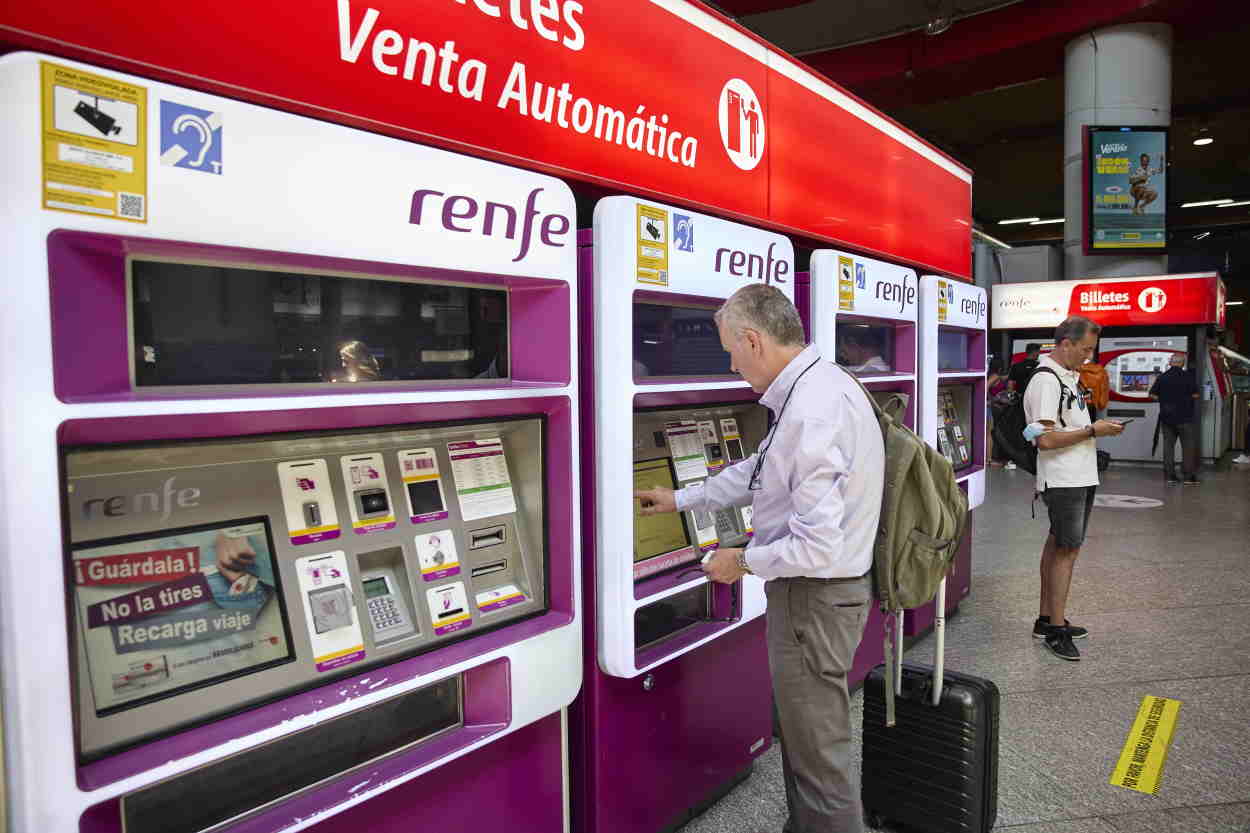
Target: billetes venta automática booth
1146	320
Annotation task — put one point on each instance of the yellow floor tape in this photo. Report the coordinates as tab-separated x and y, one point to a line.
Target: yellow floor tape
1146	748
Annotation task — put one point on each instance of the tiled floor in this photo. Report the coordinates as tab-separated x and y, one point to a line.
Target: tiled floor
1165	593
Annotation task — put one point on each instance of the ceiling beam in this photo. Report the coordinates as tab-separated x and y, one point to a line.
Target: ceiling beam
1006	46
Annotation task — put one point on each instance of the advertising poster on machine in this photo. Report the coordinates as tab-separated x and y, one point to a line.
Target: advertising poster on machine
162	613
1127	175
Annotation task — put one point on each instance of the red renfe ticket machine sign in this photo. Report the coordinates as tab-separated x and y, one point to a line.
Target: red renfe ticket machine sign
1154	301
693	108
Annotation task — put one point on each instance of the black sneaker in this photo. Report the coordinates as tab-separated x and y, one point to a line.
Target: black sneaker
1059	641
1172	481
1042	625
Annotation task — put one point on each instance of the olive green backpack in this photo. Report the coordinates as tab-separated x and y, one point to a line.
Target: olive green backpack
923	514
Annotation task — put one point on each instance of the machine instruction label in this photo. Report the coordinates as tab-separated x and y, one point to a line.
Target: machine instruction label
423	484
499	598
449	608
688	458
329	610
483	486
94	144
311	515
369	500
436	551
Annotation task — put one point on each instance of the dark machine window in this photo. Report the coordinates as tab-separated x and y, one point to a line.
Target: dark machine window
217	325
865	349
677	341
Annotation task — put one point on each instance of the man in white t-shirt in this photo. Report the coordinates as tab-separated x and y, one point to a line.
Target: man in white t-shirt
1067	472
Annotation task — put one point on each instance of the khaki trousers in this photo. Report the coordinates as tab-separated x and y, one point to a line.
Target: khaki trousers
814	628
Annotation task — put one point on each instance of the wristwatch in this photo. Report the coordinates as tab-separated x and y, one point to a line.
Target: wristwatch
1092	432
742	563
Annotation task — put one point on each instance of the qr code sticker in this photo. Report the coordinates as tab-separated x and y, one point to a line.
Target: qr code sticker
130	205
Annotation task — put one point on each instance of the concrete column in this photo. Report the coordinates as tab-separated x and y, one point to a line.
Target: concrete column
1119	75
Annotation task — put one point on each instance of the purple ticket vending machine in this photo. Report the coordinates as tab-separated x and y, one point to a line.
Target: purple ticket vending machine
287	494
861	313
677	699
953	318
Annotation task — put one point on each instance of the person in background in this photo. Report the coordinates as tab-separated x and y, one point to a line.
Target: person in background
859	350
815	487
1067	473
1175	391
1022	371
995	386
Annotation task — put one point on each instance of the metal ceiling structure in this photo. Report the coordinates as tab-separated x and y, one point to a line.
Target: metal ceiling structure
983	79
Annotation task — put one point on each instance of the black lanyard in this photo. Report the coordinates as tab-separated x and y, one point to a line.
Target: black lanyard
754	483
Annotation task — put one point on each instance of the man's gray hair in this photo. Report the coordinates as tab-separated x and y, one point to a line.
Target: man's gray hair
1075	328
764	308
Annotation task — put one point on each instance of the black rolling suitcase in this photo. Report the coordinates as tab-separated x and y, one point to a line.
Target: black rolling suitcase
936	769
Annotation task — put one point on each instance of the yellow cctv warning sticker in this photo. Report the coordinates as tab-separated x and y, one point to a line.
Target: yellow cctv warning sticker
94	144
1146	750
652	245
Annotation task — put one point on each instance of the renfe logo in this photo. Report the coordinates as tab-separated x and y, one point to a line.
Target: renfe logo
896	293
758	267
973	307
163	502
741	124
493	215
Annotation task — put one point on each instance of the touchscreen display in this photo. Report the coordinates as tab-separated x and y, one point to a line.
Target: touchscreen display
656	534
159	614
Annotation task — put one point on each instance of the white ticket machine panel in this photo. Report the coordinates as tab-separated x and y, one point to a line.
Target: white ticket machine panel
294	435
862	314
668	411
952	352
199	587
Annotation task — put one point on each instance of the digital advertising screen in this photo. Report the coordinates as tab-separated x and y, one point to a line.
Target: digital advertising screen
1127	176
656	534
163	613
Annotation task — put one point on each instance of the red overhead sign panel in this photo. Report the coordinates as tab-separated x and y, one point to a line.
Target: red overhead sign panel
652	96
1112	302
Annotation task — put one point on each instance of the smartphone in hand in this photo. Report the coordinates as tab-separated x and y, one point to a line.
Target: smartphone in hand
1122	421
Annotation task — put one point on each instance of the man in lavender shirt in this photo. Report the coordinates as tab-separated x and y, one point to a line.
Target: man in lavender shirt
814	487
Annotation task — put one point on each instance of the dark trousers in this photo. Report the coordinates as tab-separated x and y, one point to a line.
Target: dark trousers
1187	433
814	628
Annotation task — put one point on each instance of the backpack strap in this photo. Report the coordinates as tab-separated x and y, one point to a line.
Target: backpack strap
1063	391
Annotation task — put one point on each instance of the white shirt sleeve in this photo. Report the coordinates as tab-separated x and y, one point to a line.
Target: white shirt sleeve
1043	398
814	539
729	487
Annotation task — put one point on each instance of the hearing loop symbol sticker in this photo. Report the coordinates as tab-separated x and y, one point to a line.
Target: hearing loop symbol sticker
191	138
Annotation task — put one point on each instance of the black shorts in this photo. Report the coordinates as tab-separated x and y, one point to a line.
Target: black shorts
1069	508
